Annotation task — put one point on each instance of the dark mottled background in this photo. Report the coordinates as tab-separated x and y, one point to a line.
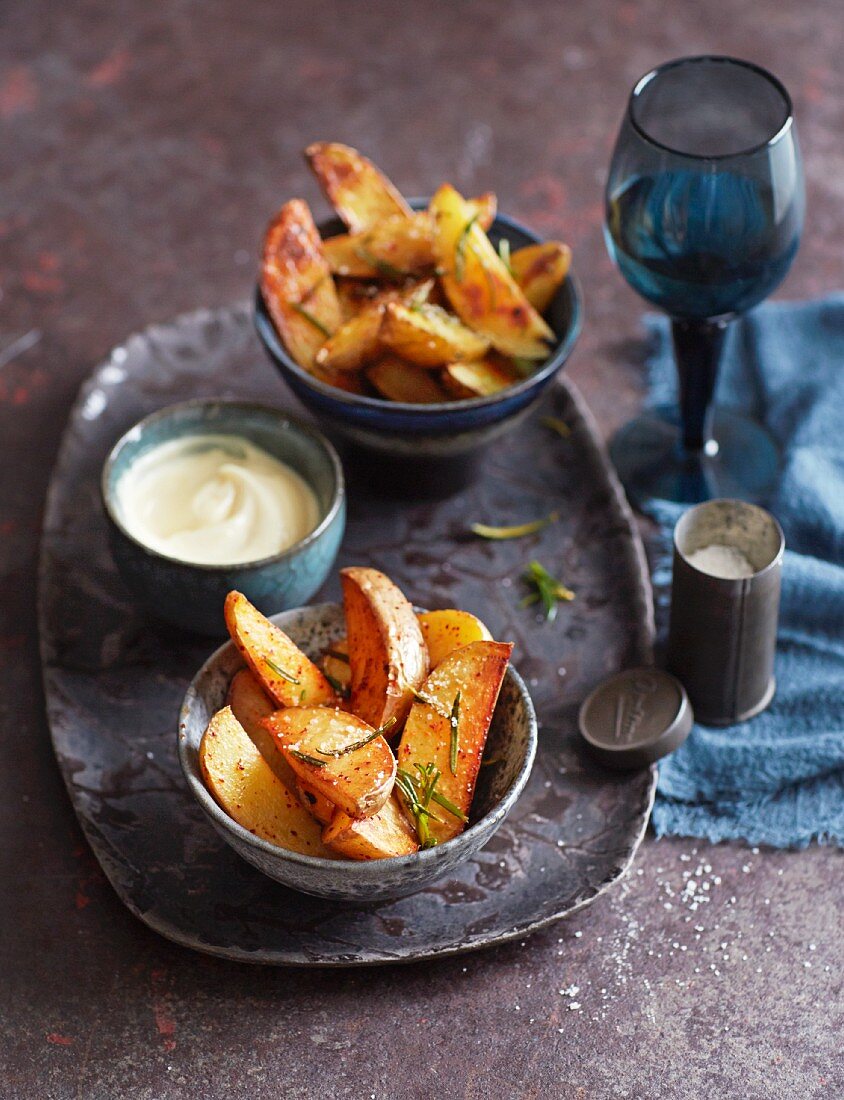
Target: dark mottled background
143	146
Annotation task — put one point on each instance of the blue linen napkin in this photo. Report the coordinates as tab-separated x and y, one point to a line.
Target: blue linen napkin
778	779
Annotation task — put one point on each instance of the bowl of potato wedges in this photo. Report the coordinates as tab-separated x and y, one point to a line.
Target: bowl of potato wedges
357	751
412	328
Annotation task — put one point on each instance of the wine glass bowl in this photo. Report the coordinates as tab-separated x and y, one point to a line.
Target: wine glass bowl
704	211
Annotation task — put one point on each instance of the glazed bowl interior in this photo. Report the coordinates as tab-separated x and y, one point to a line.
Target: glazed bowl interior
564	315
511	745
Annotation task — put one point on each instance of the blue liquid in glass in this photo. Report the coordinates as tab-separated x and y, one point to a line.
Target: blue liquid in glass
700	244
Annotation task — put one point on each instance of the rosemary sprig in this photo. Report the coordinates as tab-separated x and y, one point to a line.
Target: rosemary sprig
485	531
310	318
381	266
460	249
343	690
419	791
504	255
447	804
279	671
338	655
556	425
549	591
355	745
453	721
307	759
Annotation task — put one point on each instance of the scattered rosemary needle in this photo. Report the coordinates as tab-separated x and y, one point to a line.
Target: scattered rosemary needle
279	671
343	690
338	655
453	720
556	425
549	591
460	249
310	318
485	531
359	744
306	759
381	266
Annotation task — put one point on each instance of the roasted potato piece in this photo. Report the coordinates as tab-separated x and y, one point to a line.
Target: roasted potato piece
350	381
448	630
360	193
385	834
296	283
399	380
245	786
429	336
279	666
481	378
388	659
539	269
250	705
478	285
315	803
317	744
355	343
475	672
396	246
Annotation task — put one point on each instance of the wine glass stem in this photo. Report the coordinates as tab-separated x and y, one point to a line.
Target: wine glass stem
697	352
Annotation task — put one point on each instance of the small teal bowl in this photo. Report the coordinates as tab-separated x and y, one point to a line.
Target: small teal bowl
438	431
191	596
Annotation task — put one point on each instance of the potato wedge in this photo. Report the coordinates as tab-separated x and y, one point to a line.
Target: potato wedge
397	245
481	378
250	705
296	283
399	380
245	786
448	630
539	269
355	343
428	335
360	780
478	285
280	667
476	672
387	833
359	192
388	659
315	803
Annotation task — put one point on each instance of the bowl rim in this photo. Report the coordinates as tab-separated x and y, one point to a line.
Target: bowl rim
561	351
164	413
353	869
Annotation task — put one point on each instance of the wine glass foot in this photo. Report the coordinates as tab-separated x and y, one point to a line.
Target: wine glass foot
741	462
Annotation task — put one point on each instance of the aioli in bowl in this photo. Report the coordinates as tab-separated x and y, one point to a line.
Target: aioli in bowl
215	500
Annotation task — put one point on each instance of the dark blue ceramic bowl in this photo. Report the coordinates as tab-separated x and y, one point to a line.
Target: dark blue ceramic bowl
440	430
191	596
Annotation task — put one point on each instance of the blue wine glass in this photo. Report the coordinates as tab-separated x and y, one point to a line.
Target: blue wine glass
704	210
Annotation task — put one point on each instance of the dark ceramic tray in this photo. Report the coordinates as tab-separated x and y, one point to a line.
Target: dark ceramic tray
114	681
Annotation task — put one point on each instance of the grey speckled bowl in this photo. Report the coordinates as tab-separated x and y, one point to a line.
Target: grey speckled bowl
189	595
512	740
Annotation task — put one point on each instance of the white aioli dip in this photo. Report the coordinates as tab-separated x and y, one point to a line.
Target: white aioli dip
215	500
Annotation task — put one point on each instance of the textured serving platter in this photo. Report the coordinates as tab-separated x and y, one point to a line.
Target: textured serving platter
115	680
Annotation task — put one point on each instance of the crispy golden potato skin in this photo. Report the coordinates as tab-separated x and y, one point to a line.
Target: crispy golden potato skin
385	834
481	378
250	705
478	285
429	336
450	629
476	671
539	269
399	380
245	786
263	645
360	193
296	283
387	653
358	782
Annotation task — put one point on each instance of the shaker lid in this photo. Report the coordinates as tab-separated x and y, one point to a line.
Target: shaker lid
636	717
